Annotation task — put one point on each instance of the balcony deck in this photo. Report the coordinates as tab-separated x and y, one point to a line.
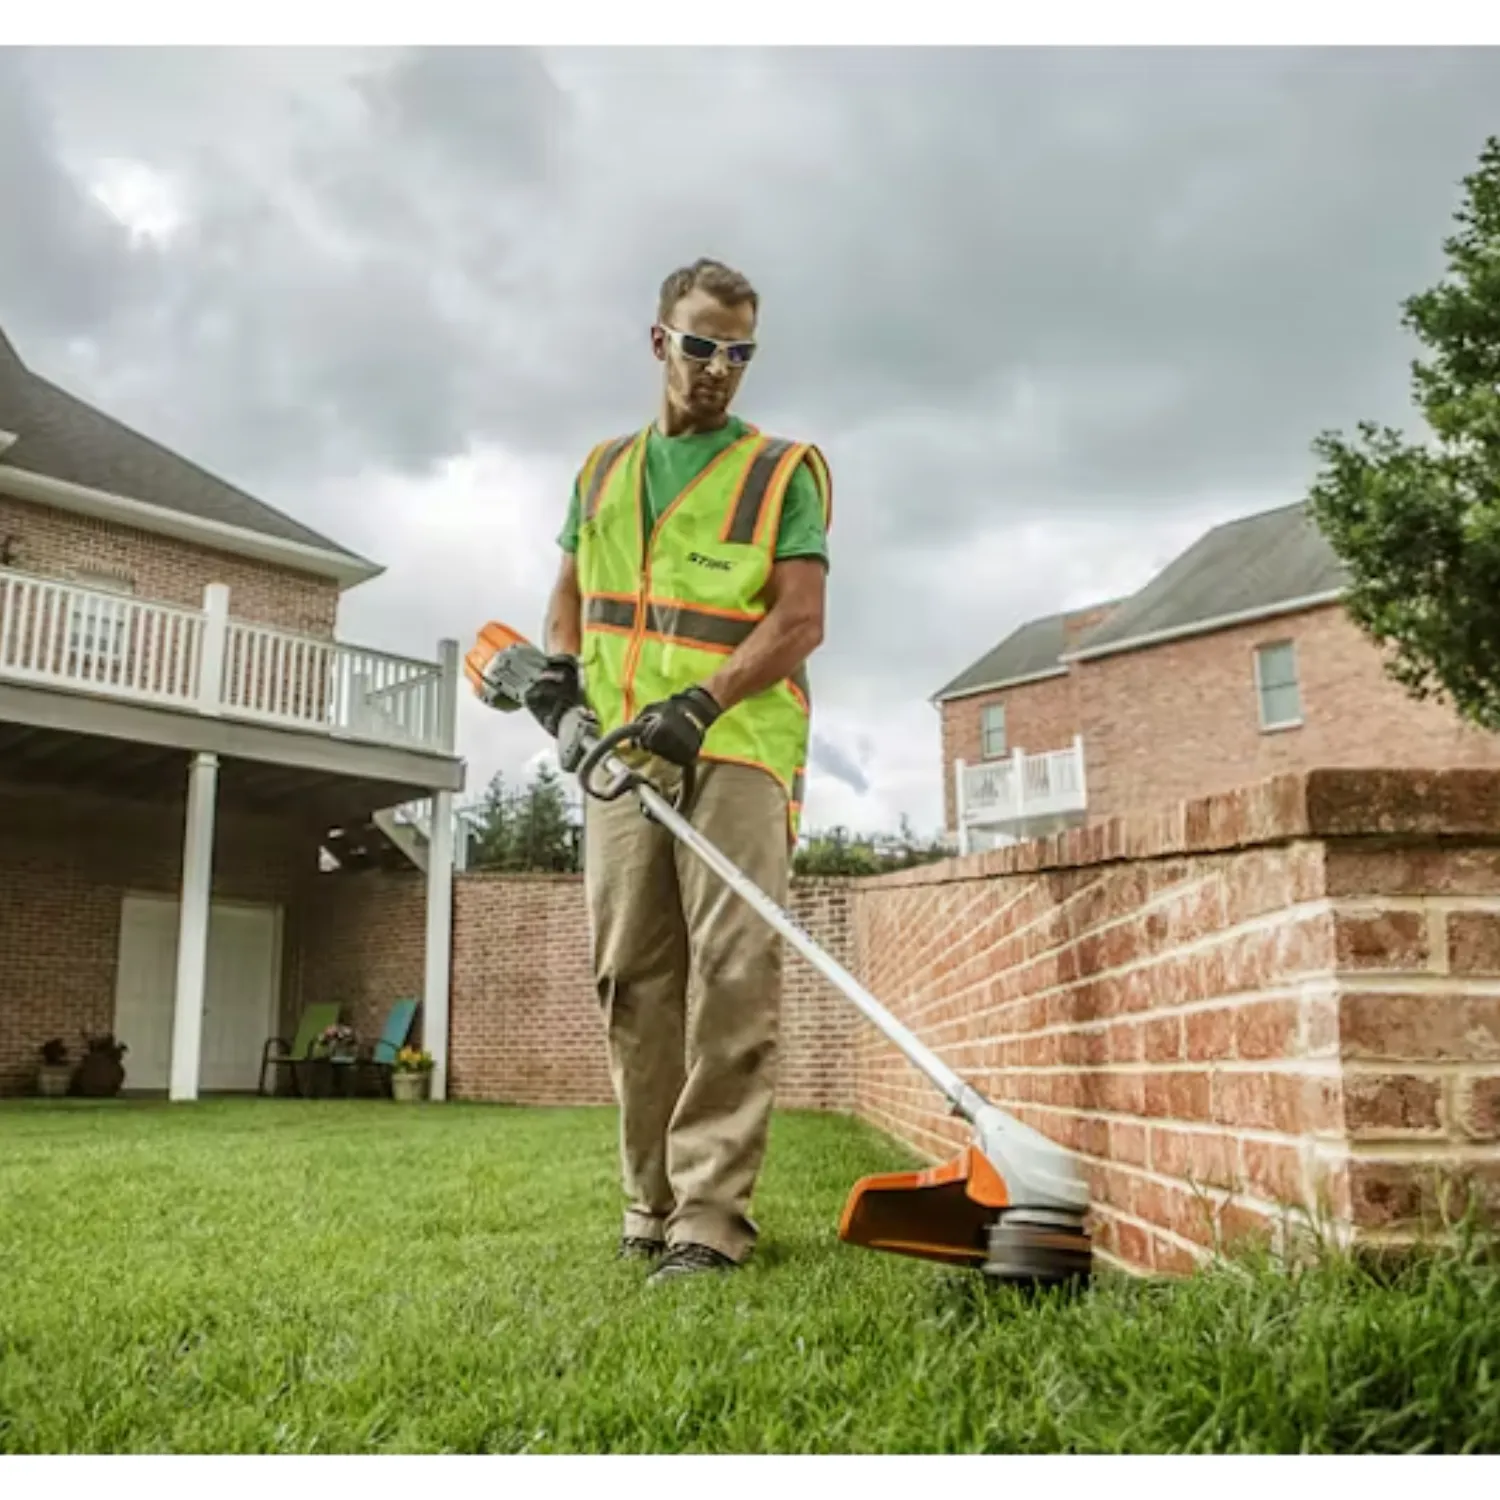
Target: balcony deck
56	634
1021	791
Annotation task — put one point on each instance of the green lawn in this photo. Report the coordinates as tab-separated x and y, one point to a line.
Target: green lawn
354	1276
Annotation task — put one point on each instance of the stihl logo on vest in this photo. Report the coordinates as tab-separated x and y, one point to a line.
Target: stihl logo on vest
719	563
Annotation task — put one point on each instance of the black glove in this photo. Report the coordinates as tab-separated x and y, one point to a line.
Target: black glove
674	728
556	690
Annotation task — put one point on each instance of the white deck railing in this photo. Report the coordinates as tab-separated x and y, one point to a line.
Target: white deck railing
59	634
1010	792
467	820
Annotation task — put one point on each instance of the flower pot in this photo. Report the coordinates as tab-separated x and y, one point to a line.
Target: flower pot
53	1080
100	1075
408	1088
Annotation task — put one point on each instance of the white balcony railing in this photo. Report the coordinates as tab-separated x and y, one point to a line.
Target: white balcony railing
1021	789
59	634
467	821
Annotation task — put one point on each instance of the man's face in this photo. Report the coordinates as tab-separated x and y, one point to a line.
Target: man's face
704	389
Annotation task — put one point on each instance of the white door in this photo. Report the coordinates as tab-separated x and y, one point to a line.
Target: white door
239	1010
145	982
240	992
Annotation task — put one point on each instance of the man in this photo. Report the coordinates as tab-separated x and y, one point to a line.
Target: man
691	593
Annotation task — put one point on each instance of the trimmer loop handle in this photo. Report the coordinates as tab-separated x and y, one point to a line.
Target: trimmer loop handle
624	777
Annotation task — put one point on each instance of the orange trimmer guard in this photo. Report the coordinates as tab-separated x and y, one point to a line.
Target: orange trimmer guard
941	1213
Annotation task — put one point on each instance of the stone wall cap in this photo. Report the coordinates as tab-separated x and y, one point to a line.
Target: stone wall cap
1394	805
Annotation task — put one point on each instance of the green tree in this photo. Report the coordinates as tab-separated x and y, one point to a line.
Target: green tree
838	852
528	828
1418	525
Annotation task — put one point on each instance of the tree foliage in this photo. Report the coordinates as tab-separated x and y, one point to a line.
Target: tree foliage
838	852
1418	525
527	828
533	828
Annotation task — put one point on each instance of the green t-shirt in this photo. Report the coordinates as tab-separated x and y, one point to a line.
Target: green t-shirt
673	462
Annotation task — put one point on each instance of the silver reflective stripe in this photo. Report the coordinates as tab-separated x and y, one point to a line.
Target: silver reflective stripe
616	613
606	462
752	496
697	626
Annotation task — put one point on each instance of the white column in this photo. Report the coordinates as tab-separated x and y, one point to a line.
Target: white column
1018	773
960	808
214	649
1083	786
192	928
448	695
439	947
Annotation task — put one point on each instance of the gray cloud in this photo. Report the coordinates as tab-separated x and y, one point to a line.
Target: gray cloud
1071	290
838	763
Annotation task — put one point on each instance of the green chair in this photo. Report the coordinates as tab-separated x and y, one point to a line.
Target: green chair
316	1019
393	1038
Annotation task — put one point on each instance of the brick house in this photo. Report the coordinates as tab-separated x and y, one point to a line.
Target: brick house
186	748
1236	662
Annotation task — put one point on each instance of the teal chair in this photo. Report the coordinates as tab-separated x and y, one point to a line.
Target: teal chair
393	1038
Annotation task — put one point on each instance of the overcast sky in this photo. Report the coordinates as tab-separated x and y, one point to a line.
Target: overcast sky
1048	313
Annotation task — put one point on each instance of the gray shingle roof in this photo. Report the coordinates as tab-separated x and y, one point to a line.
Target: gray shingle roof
1031	650
60	437
1256	563
1035	647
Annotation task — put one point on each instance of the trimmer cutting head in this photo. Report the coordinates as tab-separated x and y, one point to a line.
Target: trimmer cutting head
960	1213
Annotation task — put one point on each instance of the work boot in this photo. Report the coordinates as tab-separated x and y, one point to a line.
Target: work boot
633	1247
689	1260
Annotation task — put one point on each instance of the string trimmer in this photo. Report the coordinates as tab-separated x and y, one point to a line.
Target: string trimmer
1012	1203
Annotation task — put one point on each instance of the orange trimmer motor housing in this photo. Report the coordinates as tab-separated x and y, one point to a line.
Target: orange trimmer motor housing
942	1213
488	644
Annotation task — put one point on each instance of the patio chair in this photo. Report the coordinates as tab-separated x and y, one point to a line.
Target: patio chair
315	1020
393	1038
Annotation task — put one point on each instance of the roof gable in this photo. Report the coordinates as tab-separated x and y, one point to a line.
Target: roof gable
60	437
1255	565
1032	650
1251	566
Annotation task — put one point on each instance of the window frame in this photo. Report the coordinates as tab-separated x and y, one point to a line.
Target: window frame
985	732
1258	658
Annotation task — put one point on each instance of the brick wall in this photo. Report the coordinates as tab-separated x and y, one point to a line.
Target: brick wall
370	946
1284	996
525	1027
66	862
1182	719
54	543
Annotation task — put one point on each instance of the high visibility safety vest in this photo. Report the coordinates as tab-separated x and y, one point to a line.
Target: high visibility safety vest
662	611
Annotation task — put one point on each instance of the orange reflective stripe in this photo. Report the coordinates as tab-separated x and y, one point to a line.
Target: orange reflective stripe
607	458
706	472
769	524
745	510
819	465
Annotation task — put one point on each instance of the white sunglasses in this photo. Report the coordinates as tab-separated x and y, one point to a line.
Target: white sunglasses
701	349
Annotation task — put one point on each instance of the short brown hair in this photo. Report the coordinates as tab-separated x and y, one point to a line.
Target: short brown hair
715	278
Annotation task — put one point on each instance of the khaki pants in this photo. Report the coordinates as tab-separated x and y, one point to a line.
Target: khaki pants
689	979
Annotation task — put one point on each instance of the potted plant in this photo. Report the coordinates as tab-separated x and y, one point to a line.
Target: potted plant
101	1073
411	1073
338	1043
54	1075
